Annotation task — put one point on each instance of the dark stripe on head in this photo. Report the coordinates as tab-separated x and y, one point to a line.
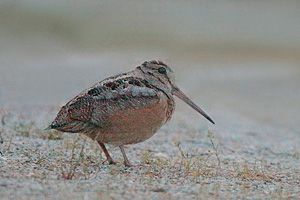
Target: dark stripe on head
155	62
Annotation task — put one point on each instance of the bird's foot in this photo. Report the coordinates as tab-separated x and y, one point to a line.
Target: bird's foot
110	162
128	164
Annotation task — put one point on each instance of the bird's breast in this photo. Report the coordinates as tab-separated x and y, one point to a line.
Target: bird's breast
136	124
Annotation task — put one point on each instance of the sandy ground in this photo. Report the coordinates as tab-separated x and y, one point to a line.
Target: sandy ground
239	60
252	152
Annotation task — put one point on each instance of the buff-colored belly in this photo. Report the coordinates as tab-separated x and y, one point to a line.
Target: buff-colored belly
134	125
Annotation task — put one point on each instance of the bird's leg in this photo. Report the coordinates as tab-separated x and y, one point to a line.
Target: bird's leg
108	157
126	161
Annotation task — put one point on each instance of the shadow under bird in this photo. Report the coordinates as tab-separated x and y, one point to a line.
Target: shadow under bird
124	109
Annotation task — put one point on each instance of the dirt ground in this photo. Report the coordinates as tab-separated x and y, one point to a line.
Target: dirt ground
252	152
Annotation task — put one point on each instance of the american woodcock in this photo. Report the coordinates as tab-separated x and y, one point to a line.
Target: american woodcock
124	109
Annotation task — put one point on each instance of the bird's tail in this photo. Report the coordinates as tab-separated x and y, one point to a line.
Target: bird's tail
55	126
50	127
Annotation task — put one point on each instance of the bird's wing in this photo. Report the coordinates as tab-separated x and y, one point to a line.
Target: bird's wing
93	106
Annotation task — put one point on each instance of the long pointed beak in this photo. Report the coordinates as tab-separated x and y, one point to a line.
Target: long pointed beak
177	92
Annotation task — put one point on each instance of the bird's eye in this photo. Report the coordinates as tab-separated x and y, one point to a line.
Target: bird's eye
162	70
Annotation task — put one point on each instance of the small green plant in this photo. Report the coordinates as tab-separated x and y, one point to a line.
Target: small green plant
252	172
215	147
68	170
197	165
79	165
24	128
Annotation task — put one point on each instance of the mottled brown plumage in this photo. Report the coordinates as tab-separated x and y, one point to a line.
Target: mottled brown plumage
125	109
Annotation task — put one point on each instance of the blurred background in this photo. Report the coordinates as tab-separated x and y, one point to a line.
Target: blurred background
234	57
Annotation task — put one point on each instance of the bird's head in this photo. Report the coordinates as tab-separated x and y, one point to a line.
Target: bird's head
162	76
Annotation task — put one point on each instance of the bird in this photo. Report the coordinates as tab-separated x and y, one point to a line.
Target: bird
124	109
